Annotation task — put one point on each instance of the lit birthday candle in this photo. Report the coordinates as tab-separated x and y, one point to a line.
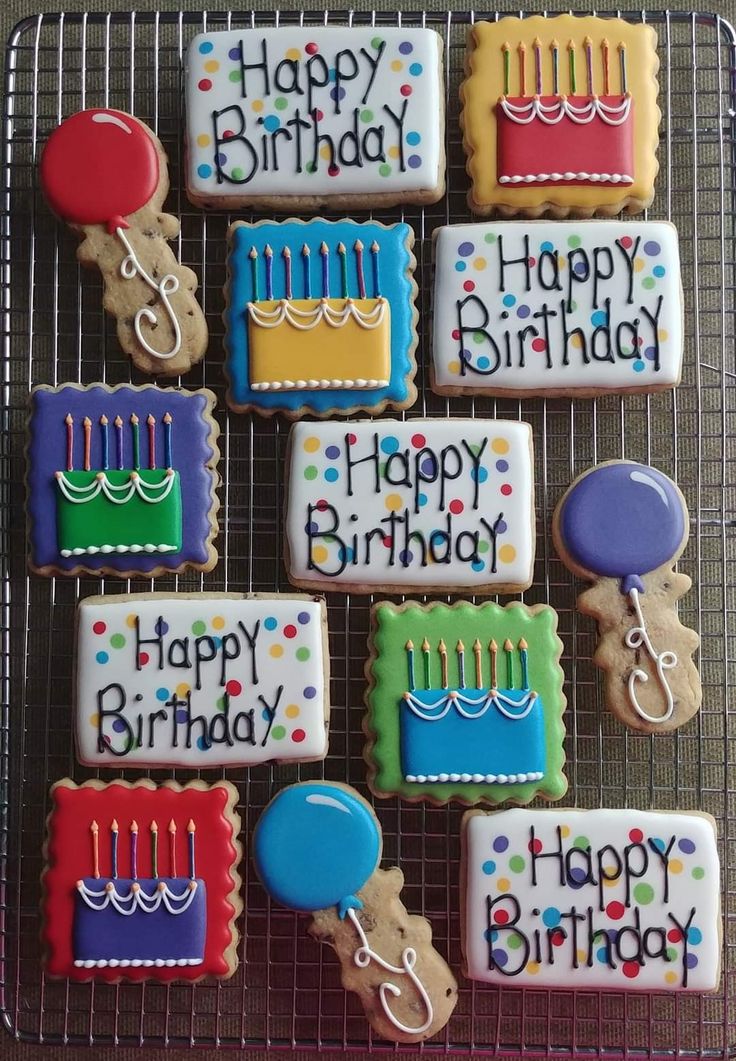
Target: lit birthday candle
604	50
537	46
94	830
268	255
191	829
343	268
118	422
506	52
172	847
253	255
167	439
477	649
87	425
442	649
151	421
376	275
286	255
154	848
136	441
509	650
358	248
409	646
69	421
555	49
325	256
573	75
425	654
460	650
493	650
307	275
524	656
114	848
588	44
624	76
134	849
522	68
105	443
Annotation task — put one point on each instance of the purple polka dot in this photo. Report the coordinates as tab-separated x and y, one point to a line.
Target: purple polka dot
221	158
501	526
502	466
118	725
337	93
468	355
523	311
652	248
181	716
406	48
500	843
406	556
686	846
580	268
576	877
310	692
234	53
691	961
499	956
303	618
465	249
414	161
650	353
161	628
311	528
332	452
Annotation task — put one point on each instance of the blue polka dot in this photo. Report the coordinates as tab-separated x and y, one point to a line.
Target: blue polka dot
489	867
102	657
271	123
659	271
659	844
332	475
551	917
332	74
162	694
345	554
415	69
217	642
201	744
204	171
483	362
270	623
481	474
602	955
265	715
461	267
547	246
694	936
477	565
413	139
332	452
422	499
206	47
639	366
599	318
509	300
389	444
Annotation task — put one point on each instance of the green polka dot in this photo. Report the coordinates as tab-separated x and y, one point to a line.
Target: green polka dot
117	640
376	42
235	75
310	472
310	167
237	173
382	468
384	169
278	732
516	864
220	704
644	893
366	115
672	954
329	538
573	241
483	547
302	654
698	872
199	627
474	448
514	941
478	337
573	306
648	282
581	841
281	103
490	237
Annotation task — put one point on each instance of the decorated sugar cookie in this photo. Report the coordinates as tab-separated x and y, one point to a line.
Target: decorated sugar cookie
141	881
544	308
105	173
432	504
623	525
299	117
560	115
465	702
316	849
201	679
320	317
618	900
121	480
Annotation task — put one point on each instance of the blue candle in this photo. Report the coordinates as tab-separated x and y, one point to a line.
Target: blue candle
307	277
323	250
376	278
105	453
167	439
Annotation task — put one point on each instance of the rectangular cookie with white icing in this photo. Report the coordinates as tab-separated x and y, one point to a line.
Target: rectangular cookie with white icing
580	308
619	900
201	680
418	504
297	117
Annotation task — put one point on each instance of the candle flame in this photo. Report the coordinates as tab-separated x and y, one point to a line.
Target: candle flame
191	827
154	826
134	826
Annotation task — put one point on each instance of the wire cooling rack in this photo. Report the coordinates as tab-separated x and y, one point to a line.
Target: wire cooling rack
287	991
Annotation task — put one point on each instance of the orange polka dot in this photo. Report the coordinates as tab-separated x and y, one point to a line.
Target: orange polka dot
257	105
203	140
500	445
276	651
319	554
218	622
503	884
394	502
507	554
212	66
292	711
311	444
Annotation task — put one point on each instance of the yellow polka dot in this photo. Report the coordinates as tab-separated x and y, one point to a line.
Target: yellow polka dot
480	264
276	651
319	554
292	711
311	444
561	262
325	152
564	830
257	105
500	445
675	865
394	502
663	335
218	622
93	720
397	65
212	66
393	152
582	956
638	265
576	340
182	689
610	872
130	620
203	140
503	884
670	977
533	967
507	554
454	368
293	53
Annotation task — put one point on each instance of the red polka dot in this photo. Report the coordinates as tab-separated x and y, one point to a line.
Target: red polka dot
532	262
626	241
405	90
143	659
456	507
557	938
506	489
205	84
298	736
228	134
352	439
290	631
99	628
456	333
321	505
539	345
630	969
615	910
311	48
636	836
418	441
535	846
469	285
388	542
500	917
233	688
333	170
320	115
674	935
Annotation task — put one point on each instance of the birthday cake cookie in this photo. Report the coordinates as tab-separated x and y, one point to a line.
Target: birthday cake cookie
141	881
617	900
105	173
316	849
465	702
303	117
560	115
201	680
557	308
426	504
622	526
320	317
121	480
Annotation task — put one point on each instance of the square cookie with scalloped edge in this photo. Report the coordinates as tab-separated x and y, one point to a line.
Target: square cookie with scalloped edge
560	116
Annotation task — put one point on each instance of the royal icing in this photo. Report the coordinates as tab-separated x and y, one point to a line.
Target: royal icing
141	881
557	307
594	527
301	294
200	681
302	112
427	503
465	702
561	112
593	900
121	479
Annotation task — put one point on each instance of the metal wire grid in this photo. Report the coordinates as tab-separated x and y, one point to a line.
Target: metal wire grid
287	992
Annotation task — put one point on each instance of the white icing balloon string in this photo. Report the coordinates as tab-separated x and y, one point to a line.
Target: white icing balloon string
363	957
638	637
130	267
